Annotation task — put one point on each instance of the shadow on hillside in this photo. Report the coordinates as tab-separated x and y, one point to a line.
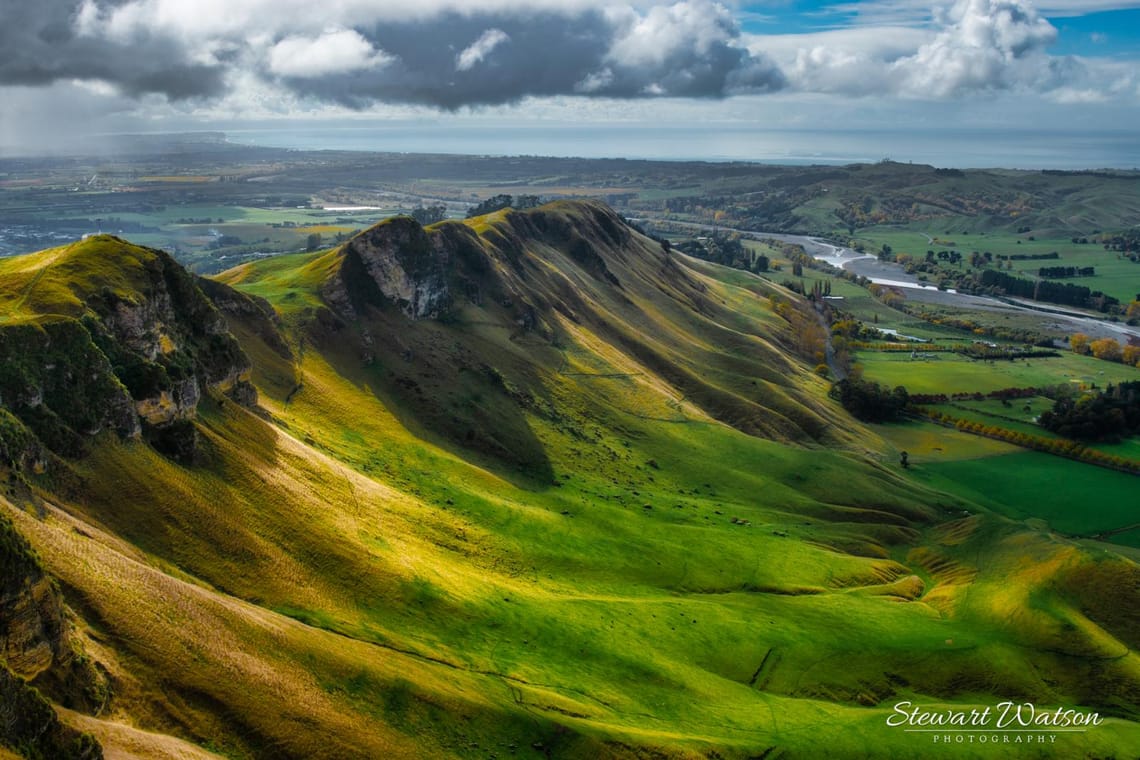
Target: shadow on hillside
446	386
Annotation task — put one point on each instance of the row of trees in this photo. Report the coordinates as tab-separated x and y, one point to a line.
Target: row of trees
991	352
1125	242
1029	256
1056	446
722	249
426	215
985	275
1053	292
1059	273
1108	349
502	201
729	250
1003	394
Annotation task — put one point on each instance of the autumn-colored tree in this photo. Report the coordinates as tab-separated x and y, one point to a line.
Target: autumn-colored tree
1130	354
846	327
1106	348
1079	343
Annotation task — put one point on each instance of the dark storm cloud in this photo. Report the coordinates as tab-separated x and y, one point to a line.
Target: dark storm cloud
452	61
40	44
447	59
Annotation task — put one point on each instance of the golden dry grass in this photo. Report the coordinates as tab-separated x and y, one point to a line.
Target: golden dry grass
121	741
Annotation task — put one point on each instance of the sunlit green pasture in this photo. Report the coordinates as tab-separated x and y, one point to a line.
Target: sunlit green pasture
953	373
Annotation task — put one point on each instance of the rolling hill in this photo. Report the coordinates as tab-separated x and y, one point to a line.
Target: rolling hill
528	485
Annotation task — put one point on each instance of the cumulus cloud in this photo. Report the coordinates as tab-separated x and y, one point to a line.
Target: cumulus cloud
849	61
441	53
334	52
451	54
879	13
973	46
688	48
984	45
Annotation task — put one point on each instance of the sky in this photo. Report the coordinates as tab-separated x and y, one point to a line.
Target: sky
1056	83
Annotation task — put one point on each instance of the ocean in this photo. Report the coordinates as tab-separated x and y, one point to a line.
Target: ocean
957	148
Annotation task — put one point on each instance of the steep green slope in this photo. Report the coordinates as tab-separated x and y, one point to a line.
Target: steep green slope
533	485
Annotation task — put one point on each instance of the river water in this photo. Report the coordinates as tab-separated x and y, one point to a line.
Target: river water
894	275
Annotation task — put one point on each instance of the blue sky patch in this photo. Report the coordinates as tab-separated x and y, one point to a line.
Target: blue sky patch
1108	34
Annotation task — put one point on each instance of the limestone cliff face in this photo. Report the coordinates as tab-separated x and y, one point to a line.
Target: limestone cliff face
134	350
400	262
255	312
57	382
31	612
178	403
428	273
173	344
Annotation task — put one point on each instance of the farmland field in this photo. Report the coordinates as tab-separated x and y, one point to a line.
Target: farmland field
953	373
1115	275
1072	497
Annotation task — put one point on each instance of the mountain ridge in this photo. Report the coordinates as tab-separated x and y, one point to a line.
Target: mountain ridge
490	271
608	528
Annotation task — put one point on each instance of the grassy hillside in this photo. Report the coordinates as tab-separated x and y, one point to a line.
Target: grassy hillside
921	199
592	506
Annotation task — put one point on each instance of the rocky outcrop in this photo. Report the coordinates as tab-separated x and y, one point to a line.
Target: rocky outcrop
405	265
28	723
31	625
178	403
172	343
422	273
426	273
61	386
137	358
37	644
